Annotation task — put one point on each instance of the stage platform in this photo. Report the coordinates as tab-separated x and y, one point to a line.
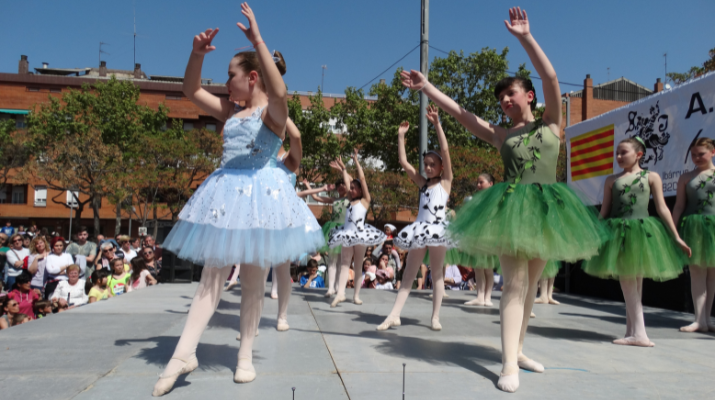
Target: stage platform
115	350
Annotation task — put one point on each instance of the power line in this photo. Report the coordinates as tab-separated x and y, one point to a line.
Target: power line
388	68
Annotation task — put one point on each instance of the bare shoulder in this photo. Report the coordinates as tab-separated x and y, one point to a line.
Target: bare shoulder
688	176
653	177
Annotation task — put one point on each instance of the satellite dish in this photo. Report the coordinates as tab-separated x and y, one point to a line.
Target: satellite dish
667	86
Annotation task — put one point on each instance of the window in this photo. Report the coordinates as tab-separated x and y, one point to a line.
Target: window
3	194
18	194
173	97
188	126
55	90
72	198
211	127
20	122
33	89
40	196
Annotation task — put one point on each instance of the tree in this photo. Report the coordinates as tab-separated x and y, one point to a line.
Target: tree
15	150
708	65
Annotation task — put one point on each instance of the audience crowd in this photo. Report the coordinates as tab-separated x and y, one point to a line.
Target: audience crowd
43	274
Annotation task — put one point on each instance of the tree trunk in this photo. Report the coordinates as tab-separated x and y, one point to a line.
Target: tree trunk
96	203
77	219
118	224
156	223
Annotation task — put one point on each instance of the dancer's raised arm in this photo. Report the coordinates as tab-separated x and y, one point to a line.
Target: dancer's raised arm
433	117
366	199
478	127
310	191
295	154
418	179
518	25
272	78
219	108
661	208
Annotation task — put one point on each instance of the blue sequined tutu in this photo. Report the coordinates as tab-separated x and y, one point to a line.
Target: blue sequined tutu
247	211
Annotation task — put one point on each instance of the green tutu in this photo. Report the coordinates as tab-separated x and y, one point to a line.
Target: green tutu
329	226
698	231
475	261
640	247
551	270
529	221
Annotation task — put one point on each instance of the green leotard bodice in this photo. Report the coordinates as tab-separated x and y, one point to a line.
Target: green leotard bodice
700	191
630	195
339	209
530	154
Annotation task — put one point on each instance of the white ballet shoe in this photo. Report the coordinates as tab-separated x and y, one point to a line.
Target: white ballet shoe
541	300
389	322
509	383
554	302
532	315
282	325
244	375
329	293
488	304
166	383
337	300
475	302
694	327
632	341
436	326
529	364
357	300
238	337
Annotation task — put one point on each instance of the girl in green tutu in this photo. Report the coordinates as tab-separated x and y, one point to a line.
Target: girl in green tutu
429	231
483	265
529	218
546	283
697	227
337	217
641	246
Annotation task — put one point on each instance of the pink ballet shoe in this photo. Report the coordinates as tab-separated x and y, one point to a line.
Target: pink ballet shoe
357	300
509	383
632	341
282	325
389	322
554	302
475	302
541	300
244	375
436	326
694	327
529	364
166	383
337	300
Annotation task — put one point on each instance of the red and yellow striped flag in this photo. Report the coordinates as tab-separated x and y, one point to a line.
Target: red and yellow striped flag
592	154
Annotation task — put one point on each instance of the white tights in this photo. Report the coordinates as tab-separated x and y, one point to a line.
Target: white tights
333	273
702	285
635	324
356	253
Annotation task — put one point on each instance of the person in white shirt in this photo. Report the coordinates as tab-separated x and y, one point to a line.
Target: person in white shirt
56	265
15	258
70	292
452	277
125	245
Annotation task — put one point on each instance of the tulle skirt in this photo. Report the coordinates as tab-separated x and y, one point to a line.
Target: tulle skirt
529	221
640	247
551	270
698	231
329	226
421	234
240	216
475	261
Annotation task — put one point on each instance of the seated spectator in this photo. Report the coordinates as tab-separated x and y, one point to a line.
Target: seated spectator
21	230
369	270
149	242
8	229
452	278
26	239
70	292
125	245
390	231
136	244
24	295
117	280
15	258
152	264
368	251
389	249
56	265
36	264
4	243
311	280
10	307
83	246
107	254
383	280
19	319
97	290
43	308
140	276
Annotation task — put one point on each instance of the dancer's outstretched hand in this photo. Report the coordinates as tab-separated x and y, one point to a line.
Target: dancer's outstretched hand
413	80
519	25
433	114
684	247
355	155
403	128
252	33
306	184
337	164
202	42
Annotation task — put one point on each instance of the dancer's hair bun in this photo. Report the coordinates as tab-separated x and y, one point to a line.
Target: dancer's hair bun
280	61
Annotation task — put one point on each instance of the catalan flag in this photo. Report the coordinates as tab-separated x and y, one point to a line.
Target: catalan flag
592	154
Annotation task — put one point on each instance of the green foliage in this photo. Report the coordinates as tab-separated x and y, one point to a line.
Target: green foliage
708	65
14	150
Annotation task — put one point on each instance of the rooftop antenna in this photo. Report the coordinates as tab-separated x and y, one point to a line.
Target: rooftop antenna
134	7
322	80
665	56
609	74
102	51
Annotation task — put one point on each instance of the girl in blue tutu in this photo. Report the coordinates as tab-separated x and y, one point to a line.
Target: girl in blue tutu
529	218
247	211
355	234
429	231
695	212
641	246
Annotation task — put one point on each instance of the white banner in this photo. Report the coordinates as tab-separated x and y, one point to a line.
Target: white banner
669	122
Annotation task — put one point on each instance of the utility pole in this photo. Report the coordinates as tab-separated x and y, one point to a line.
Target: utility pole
322	79
665	56
424	65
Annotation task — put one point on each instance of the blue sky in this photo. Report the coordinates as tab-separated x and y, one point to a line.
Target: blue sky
357	40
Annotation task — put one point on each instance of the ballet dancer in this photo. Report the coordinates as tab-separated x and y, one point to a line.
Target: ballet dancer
641	246
546	284
337	217
246	212
510	219
355	234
